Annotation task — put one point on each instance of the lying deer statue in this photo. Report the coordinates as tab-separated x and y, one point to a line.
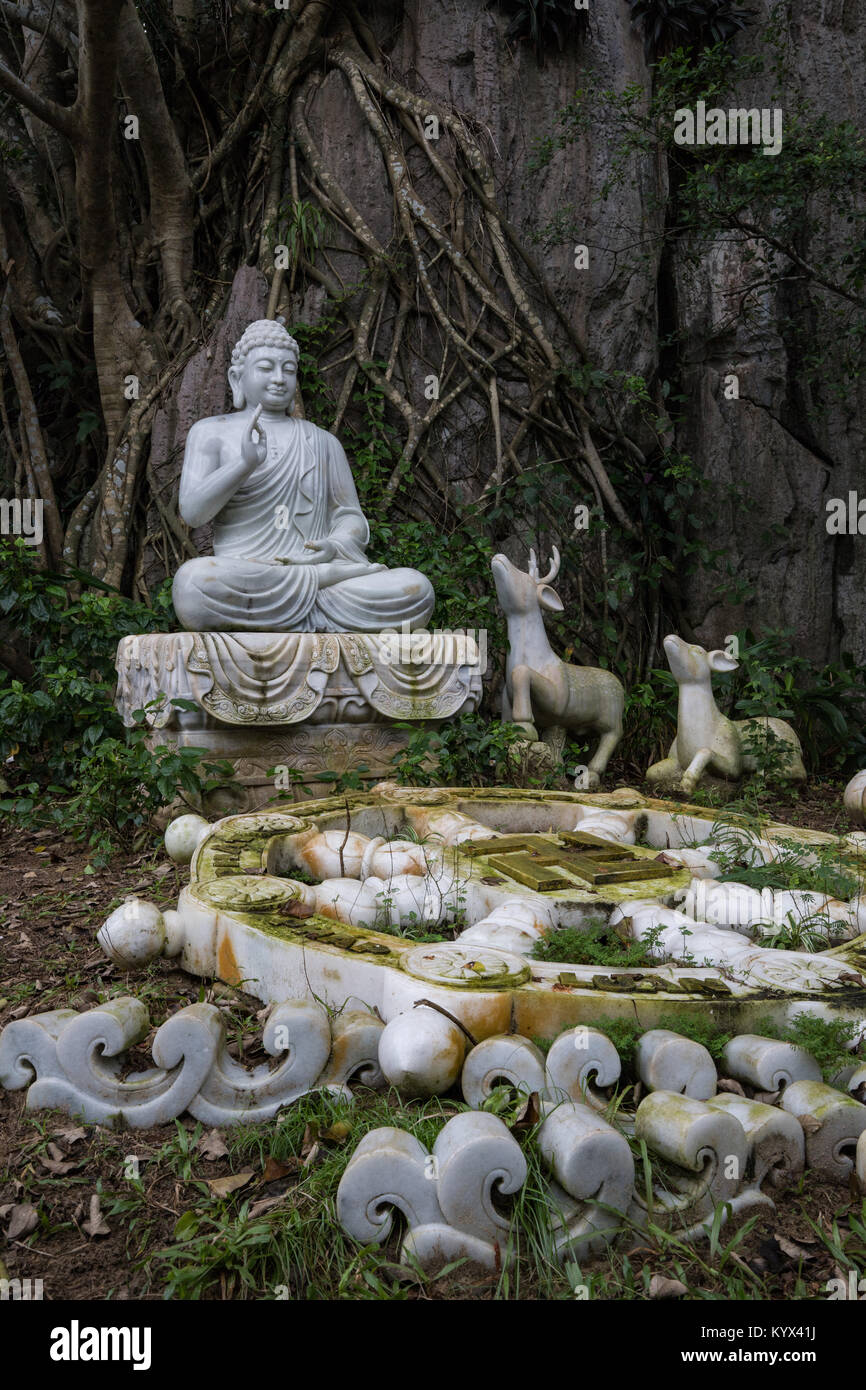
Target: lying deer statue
706	741
539	688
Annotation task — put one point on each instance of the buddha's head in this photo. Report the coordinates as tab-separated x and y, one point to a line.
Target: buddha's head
264	369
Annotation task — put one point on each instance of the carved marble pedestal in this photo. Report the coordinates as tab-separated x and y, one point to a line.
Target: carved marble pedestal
310	702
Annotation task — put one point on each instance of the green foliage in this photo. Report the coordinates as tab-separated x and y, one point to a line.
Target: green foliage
826	704
455	554
468	752
544	22
822	878
696	23
301	227
74	766
828	1040
624	1034
650	719
701	1030
592	944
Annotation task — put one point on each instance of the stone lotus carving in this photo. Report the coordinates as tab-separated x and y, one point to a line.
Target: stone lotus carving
238	922
777	1151
580	1061
759	910
513	926
616	826
706	741
70	1061
708	1146
465	966
446	1195
666	1061
768	1064
837	1122
592	1163
505	1059
678	937
421	1052
540	689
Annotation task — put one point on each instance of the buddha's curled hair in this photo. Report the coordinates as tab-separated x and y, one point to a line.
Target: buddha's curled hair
263	333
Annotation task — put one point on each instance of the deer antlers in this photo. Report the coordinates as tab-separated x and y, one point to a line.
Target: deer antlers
552	572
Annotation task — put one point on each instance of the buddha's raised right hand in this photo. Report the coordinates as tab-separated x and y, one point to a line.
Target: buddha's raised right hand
254	451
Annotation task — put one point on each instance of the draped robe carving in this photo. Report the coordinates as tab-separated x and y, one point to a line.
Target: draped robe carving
306	494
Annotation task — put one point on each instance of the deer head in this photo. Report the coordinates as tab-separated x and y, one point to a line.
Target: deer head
520	591
691	664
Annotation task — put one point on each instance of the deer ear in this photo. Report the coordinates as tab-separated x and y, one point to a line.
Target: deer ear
720	661
549	598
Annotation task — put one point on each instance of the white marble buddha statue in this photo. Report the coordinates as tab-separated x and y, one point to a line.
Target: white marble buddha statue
288	532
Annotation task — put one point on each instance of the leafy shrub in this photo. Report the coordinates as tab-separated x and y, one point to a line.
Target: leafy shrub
692	23
826	1039
70	762
701	1030
826	704
544	22
789	872
624	1034
593	944
469	752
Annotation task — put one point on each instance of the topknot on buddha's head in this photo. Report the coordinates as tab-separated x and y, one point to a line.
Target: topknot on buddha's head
264	333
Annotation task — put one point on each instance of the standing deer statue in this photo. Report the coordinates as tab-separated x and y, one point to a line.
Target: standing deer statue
706	740
540	689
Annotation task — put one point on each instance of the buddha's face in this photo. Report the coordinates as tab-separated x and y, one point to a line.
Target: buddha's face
268	378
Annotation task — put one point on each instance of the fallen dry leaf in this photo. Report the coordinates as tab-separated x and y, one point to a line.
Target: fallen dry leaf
96	1224
727	1083
809	1123
72	1136
23	1219
766	1097
275	1168
56	1161
212	1145
264	1204
794	1248
660	1287
529	1115
223	1187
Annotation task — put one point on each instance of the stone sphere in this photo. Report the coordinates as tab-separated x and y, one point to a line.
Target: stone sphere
183	837
855	798
421	1053
133	934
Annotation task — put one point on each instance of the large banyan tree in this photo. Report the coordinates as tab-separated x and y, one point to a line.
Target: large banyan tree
173	169
167	177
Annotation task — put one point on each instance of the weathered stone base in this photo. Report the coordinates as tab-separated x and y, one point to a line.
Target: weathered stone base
306	750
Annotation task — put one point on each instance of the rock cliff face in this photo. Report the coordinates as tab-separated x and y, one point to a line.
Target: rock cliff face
772	458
